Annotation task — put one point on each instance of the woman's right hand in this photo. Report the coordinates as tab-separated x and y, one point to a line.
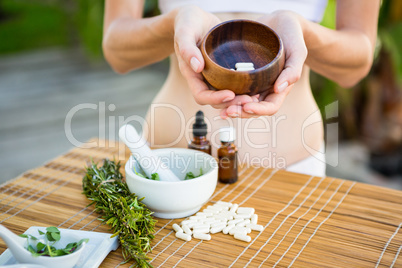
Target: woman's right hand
191	25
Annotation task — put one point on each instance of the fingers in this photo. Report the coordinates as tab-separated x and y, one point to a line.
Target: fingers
191	64
235	109
238	100
186	49
203	95
293	68
232	111
269	106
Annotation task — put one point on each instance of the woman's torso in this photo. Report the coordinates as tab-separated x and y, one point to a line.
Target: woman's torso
270	141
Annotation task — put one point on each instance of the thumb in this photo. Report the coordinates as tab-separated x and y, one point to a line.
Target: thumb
187	49
292	70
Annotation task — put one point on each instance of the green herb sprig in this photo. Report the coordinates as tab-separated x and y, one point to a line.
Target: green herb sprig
155	176
51	236
190	175
130	219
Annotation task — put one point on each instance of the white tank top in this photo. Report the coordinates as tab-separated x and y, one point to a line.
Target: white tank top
312	10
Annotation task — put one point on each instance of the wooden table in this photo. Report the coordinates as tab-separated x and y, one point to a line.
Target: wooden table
309	221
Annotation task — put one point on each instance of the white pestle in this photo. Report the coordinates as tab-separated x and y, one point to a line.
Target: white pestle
141	152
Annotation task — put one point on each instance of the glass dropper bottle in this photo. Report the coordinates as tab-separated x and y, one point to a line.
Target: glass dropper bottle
200	141
227	155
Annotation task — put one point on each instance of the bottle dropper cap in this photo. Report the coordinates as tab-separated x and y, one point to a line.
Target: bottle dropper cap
199	127
227	134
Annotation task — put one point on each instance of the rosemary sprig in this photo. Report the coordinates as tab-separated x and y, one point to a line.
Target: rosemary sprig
130	219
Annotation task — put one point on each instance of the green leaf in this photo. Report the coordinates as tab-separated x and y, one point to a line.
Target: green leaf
84	240
32	237
40	246
139	174
155	177
40	232
56	236
23	235
52	229
70	246
31	249
190	175
60	252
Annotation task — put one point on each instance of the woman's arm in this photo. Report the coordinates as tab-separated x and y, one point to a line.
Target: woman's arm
130	41
344	55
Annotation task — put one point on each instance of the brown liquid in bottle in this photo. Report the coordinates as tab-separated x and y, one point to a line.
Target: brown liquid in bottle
200	144
200	141
227	155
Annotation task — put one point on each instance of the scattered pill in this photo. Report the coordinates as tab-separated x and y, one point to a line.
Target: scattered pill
236	221
224	203
255	227
177	228
210	211
202	214
245	210
220	217
215	230
210	220
227	215
188	221
244	216
202	236
218	224
241	237
228	228
243	223
191	225
223	207
239	229
234	208
215	208
254	219
233	231
204	230
197	217
240	232
243	228
186	229
183	236
201	225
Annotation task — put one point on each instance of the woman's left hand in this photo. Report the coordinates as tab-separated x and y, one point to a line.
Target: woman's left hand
288	26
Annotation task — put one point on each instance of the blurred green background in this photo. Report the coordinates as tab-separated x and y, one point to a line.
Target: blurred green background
370	113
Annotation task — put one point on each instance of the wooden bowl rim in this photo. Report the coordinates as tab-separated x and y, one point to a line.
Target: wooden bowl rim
243	72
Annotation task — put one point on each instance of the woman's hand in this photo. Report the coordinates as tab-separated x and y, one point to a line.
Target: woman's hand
288	26
191	25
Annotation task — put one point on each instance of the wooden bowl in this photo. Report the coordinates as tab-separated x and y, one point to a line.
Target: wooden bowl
242	41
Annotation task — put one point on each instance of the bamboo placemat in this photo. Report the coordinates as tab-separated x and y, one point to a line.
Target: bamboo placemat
309	221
